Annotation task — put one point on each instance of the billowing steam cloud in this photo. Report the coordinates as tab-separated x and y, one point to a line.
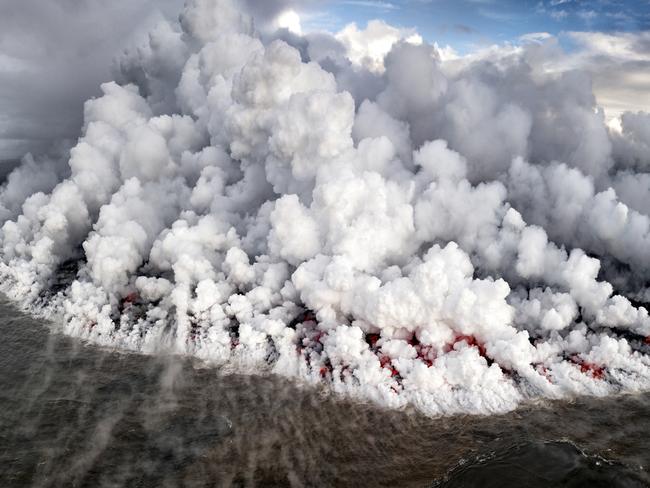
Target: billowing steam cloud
456	238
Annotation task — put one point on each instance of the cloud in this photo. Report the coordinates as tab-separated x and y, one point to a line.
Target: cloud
619	64
457	236
603	15
265	13
559	14
53	57
375	4
536	37
368	47
587	15
465	29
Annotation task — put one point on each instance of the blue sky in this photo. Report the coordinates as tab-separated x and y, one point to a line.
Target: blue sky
465	24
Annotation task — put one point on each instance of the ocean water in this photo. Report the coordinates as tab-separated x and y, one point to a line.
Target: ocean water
72	414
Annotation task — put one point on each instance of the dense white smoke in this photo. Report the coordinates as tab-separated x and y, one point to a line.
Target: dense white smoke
458	238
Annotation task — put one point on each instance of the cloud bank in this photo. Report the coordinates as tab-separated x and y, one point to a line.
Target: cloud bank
458	240
54	55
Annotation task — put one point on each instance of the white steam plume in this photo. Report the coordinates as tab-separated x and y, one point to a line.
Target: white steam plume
458	240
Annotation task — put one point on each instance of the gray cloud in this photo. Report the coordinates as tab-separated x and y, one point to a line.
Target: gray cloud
53	55
619	65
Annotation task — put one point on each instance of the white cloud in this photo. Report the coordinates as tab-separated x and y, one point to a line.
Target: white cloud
620	66
290	20
536	37
559	14
368	47
375	4
618	63
437	244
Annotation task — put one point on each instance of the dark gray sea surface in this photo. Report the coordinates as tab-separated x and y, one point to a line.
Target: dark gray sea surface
72	414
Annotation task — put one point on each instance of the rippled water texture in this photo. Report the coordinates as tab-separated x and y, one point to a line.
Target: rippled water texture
76	415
